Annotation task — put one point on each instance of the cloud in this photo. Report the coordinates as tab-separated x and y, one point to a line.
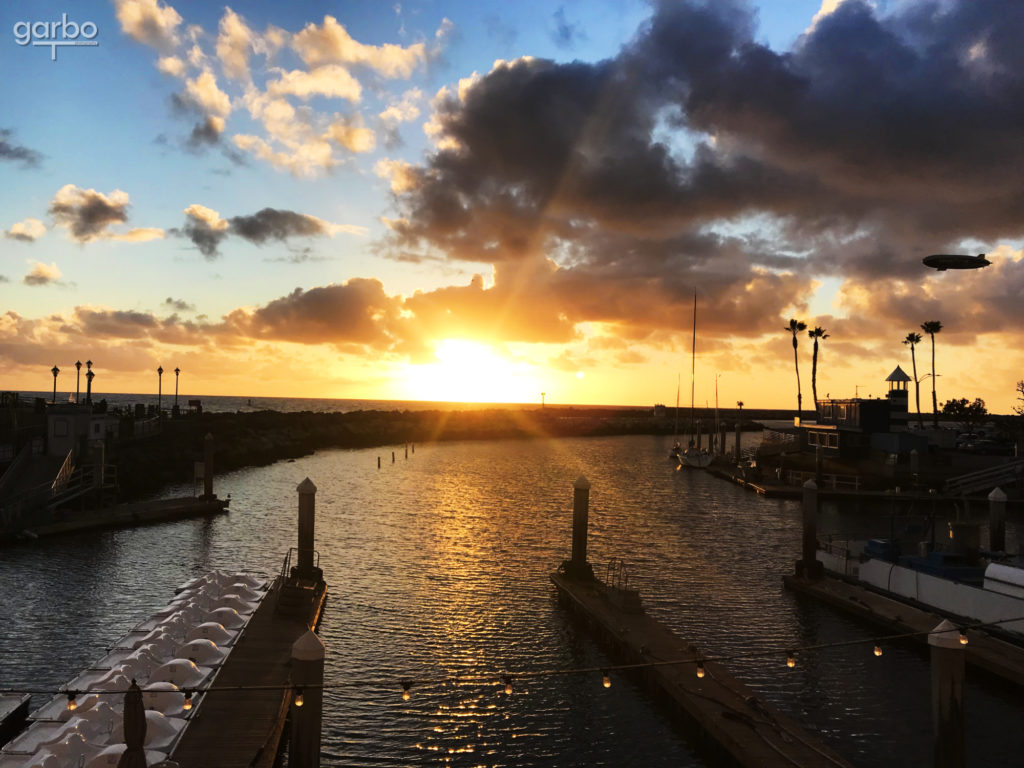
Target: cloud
331	43
206	133
179	305
16	153
88	215
350	133
202	91
171	65
234	43
400	174
207	230
405	109
331	80
565	34
41	274
27	231
149	22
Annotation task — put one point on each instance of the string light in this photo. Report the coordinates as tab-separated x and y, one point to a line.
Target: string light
507	680
606	680
188	700
406	685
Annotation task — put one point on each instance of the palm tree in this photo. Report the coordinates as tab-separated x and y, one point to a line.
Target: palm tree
912	340
931	327
795	327
817	333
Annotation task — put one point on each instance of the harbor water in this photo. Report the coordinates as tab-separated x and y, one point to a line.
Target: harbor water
438	572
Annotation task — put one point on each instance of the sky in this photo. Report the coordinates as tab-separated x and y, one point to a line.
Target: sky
441	200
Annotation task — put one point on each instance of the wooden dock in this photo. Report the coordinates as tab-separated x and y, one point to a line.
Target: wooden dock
732	725
983	650
126	515
240	721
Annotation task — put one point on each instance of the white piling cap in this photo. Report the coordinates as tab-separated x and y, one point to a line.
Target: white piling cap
997	494
309	647
581	484
945	635
306	486
810	485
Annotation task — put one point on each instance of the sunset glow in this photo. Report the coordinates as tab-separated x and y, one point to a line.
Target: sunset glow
429	200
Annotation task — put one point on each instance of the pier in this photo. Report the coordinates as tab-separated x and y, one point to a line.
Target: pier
242	718
730	723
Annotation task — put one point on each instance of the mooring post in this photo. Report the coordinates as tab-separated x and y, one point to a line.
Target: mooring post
947	662
308	683
738	433
392	457
407	450
997	520
378	462
809	564
578	565
208	466
307	513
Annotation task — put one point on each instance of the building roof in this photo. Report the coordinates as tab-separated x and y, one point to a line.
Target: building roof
898	375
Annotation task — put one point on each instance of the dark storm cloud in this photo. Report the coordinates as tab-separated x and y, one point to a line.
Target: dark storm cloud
204	134
87	213
179	305
16	153
876	140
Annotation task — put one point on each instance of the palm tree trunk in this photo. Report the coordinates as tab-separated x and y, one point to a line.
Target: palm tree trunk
814	375
935	403
796	364
917	388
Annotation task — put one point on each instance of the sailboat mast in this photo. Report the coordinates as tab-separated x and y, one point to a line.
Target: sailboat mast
693	359
679	378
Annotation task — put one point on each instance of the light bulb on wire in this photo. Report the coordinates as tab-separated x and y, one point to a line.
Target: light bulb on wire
790	659
700	669
606	680
406	685
299	701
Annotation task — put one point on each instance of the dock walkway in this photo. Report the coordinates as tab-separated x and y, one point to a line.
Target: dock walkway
241	718
983	650
732	724
127	514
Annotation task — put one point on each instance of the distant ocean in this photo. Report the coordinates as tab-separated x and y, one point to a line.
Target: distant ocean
233	404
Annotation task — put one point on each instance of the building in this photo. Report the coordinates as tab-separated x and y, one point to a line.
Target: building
862	428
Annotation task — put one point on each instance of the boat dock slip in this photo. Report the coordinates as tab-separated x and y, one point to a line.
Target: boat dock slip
984	651
732	724
241	720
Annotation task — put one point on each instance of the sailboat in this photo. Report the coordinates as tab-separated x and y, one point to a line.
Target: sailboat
693	456
677	450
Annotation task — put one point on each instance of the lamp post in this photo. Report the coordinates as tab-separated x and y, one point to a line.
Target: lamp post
159	387
88	382
55	370
177	371
78	379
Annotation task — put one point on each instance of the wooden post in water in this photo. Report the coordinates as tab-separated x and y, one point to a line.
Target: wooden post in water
578	565
392	457
407	450
809	565
308	682
997	520
947	662
208	466
307	513
378	462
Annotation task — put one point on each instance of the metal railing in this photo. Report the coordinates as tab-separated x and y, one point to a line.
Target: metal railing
616	575
286	566
986	479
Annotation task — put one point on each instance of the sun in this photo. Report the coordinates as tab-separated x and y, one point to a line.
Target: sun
471	372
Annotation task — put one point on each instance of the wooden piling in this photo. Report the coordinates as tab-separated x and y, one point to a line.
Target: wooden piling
578	565
947	663
809	565
308	680
392	457
997	520
378	462
307	515
407	450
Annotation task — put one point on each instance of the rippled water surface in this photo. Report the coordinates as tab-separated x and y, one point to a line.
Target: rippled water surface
438	569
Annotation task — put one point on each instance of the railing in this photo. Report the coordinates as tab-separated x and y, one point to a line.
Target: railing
286	566
984	479
828	480
60	482
616	575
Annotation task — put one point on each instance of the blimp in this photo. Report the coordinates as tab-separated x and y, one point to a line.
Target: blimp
944	261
